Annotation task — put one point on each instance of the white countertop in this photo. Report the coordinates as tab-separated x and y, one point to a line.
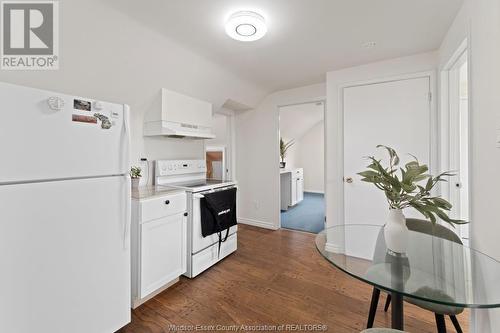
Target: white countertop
282	171
151	191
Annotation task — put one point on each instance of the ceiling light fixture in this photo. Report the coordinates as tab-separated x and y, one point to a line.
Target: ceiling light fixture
246	26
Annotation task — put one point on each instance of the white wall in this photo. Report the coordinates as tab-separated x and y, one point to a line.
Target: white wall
311	157
257	157
334	148
480	22
308	153
300	123
292	154
220	129
109	56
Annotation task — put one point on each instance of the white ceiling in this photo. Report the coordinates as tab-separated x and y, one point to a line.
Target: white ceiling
297	120
305	39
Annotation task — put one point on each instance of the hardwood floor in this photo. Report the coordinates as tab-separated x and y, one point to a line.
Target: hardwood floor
275	277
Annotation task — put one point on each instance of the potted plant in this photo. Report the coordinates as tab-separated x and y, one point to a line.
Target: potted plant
412	188
283	150
135	174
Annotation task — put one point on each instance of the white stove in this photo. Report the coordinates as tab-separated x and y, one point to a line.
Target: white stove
190	175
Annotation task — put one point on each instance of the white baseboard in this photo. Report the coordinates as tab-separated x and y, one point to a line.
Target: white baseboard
317	192
257	223
331	247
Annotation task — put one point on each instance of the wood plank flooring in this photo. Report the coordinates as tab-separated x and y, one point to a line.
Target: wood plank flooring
275	277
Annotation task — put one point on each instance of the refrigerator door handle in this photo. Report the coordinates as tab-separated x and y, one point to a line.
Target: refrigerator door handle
126	139
128	212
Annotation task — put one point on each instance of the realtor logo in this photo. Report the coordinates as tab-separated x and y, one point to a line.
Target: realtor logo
30	39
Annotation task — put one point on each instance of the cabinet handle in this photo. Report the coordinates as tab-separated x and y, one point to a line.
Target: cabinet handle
167	202
185	214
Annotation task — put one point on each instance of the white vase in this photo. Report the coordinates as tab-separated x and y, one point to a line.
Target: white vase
135	182
396	231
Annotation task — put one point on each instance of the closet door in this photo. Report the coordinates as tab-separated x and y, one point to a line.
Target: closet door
395	114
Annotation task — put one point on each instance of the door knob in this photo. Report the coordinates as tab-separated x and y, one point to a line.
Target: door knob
349	180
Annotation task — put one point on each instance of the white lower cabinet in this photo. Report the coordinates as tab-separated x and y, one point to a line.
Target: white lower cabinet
299	190
292	187
297	186
159	245
163	252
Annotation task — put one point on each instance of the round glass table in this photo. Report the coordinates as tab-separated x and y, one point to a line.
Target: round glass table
433	269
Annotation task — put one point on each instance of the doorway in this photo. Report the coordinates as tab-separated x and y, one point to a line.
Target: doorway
216	162
219	152
302	180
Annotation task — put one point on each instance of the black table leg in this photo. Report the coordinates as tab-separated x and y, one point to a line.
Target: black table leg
398	264
441	323
397	314
373	307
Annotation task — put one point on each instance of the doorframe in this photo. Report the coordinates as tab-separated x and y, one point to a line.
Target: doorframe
433	142
230	146
222	149
325	109
445	126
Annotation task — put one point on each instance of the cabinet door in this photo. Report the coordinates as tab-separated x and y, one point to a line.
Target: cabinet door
293	181
163	252
300	189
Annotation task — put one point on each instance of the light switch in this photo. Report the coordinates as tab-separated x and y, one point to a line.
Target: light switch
498	138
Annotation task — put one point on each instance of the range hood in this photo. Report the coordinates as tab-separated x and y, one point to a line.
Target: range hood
179	116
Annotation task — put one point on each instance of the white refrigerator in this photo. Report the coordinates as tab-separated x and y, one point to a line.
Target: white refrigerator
64	213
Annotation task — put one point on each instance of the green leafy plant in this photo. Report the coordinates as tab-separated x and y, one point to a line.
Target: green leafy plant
135	172
405	191
284	148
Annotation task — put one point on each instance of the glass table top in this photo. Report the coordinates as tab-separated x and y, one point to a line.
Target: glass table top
432	269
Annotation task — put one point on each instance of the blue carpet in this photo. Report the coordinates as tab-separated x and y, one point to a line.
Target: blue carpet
308	215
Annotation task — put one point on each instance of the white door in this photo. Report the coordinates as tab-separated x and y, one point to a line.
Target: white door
163	252
395	114
64	249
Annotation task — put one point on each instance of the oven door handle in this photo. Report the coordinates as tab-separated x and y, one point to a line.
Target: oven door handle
200	195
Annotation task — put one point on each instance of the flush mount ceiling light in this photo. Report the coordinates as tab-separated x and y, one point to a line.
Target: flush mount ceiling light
246	26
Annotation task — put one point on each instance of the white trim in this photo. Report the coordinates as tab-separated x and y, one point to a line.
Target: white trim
447	139
444	119
433	142
257	223
315	192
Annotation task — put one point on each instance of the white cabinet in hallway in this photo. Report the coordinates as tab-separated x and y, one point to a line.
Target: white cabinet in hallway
292	187
159	242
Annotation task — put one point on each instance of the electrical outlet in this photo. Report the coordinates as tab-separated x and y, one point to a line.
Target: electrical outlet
143	164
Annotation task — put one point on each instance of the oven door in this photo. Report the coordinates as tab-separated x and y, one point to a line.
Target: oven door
198	241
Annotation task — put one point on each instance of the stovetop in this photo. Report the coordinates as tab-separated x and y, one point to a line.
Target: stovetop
201	184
